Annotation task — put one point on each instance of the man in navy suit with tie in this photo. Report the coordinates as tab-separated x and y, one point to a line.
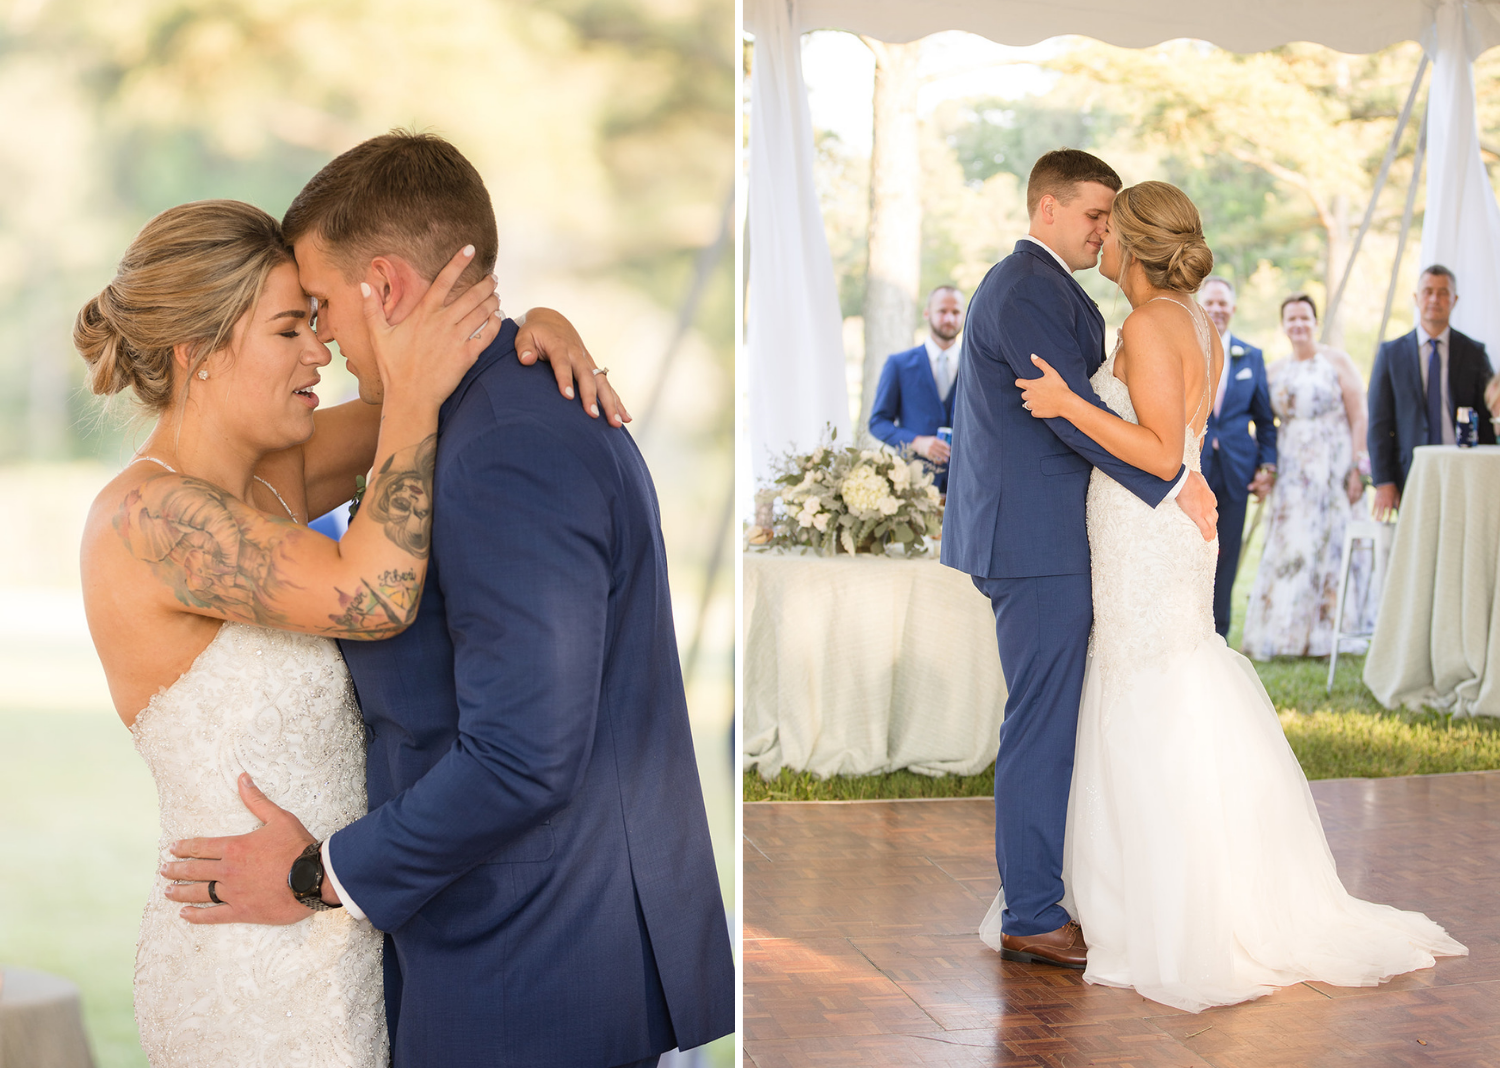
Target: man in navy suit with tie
1420	381
1015	522
1237	461
915	394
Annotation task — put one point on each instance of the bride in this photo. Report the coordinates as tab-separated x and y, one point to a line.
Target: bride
212	606
1194	858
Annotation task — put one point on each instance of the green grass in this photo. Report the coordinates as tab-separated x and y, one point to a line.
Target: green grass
1342	734
77	857
1345	734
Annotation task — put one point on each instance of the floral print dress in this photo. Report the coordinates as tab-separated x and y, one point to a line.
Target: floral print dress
1295	596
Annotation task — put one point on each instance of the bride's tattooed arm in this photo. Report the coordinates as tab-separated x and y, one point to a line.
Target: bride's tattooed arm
221	557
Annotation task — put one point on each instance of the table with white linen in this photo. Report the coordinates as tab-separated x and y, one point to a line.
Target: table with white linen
859	665
1437	639
41	1025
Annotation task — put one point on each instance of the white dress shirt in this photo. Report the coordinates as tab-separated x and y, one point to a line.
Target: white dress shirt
1424	353
943	376
1223	379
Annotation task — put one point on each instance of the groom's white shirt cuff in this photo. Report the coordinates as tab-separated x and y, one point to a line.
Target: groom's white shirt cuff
338	888
1171	494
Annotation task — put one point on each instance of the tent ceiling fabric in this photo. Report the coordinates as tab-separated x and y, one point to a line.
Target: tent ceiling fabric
1345	25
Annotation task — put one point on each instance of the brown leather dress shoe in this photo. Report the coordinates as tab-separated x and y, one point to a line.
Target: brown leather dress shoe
1063	947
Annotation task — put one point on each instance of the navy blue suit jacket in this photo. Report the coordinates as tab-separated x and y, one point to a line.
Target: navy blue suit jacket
1247	397
907	405
537	848
1398	403
1016	485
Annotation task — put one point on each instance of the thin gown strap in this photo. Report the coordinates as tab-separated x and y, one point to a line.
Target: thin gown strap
278	496
257	478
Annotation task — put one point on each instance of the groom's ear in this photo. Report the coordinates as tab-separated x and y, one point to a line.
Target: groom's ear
397	284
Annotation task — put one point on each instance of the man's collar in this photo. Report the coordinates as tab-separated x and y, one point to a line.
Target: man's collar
1051	252
932	347
504	345
1423	337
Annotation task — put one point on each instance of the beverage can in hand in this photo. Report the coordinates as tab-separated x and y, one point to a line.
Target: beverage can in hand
1467	430
945	435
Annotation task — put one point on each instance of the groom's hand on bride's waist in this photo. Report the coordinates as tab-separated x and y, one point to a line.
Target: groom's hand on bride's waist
1200	504
248	872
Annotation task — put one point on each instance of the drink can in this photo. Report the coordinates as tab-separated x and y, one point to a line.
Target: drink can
945	435
1467	431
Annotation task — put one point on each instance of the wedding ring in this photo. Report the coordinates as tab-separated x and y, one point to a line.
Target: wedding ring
601	370
211	895
1026	405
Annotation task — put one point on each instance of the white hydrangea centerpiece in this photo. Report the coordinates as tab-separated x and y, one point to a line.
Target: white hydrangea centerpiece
847	500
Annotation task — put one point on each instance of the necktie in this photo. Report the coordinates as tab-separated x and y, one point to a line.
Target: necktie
1435	414
943	379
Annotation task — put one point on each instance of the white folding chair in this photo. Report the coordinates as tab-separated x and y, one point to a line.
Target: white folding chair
1356	532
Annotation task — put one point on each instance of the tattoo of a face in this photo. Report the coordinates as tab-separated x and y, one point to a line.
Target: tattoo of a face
400	499
186	530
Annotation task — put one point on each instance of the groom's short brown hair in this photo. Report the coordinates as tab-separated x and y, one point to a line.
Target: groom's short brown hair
409	194
1061	171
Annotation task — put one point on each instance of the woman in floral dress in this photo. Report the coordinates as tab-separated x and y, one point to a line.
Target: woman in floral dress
1319	402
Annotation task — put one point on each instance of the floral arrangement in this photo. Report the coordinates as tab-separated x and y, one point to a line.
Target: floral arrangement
847	499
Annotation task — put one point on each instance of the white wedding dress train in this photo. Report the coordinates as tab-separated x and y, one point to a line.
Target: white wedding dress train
1195	860
308	995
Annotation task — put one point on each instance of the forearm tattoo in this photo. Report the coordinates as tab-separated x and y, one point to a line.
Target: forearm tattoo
400	499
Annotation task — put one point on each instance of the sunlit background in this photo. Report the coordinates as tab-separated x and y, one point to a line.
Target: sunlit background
603	129
1280	150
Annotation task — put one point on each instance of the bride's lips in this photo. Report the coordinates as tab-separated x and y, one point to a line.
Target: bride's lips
306	395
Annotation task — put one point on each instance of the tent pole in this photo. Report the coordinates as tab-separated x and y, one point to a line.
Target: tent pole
1411	200
1385	169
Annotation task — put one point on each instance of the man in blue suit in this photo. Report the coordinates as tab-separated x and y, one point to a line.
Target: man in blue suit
1237	461
915	394
1015	523
1419	382
536	849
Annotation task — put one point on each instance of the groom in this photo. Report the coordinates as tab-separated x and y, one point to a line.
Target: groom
536	849
1015	523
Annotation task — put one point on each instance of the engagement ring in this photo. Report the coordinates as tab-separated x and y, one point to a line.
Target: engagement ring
601	370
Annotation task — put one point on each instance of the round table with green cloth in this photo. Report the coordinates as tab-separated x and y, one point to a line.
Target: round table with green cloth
860	665
1437	638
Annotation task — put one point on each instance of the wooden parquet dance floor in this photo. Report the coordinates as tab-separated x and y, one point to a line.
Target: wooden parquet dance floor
860	948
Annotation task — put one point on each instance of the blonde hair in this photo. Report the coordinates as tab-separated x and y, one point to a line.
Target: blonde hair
1158	225
189	276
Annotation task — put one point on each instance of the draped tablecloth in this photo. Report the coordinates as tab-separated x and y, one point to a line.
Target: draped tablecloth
1437	639
859	665
41	1024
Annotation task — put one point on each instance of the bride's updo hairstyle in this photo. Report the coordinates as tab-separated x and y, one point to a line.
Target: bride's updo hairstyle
1157	225
189	276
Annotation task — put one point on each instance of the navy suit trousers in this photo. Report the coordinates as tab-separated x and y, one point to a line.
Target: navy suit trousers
1042	625
1231	533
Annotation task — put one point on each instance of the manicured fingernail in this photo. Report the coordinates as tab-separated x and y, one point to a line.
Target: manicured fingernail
526	355
594	408
364	288
468	250
568	392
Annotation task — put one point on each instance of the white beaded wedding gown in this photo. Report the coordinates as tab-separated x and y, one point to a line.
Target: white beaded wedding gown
1195	860
280	706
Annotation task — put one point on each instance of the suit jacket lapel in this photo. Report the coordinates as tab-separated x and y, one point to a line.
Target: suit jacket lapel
1033	247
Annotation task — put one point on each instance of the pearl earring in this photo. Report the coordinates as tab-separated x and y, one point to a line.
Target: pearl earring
203	375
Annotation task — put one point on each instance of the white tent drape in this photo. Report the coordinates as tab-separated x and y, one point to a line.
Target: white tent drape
1461	229
794	350
794	333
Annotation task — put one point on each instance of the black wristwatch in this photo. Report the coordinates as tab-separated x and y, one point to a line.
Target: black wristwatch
305	880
